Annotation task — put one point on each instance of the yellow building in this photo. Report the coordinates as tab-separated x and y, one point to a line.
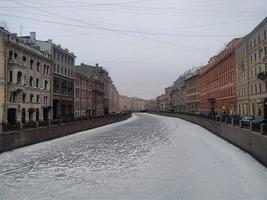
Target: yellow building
3	58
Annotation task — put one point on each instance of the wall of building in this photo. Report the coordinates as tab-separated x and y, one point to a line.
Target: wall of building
218	81
251	75
192	93
2	76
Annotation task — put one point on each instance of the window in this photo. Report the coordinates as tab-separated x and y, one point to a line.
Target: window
24	58
24	97
31	80
10	54
46	85
38	66
37	98
31	64
58	68
61	69
15	55
260	87
19	77
37	82
255	56
54	68
47	70
264	35
256	89
44	68
31	98
10	76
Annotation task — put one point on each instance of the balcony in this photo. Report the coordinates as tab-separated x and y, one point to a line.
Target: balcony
17	62
262	75
15	87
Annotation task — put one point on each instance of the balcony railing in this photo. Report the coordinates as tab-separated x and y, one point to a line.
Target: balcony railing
262	75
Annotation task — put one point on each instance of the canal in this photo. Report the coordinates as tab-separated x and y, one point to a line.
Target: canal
145	157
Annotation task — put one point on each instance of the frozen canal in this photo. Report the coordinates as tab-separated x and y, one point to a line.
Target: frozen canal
147	157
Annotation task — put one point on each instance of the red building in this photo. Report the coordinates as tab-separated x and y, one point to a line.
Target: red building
218	81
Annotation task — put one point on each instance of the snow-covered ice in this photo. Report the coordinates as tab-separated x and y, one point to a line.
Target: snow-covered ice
146	157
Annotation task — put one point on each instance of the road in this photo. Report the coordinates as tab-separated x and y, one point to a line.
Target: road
146	157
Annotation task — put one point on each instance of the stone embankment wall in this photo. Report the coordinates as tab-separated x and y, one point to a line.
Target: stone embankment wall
16	139
252	142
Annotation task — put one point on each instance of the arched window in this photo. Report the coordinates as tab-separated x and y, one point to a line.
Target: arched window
19	77
31	80
31	64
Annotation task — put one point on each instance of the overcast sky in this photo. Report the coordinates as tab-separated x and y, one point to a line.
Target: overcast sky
144	44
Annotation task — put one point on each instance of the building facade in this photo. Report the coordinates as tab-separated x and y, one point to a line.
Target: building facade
192	92
4	38
251	67
83	88
98	94
98	73
152	105
28	88
178	95
218	81
63	74
125	103
113	98
168	99
138	104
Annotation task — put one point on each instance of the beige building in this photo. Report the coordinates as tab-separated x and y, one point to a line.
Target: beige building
28	90
125	103
3	62
168	99
152	105
161	103
251	67
113	98
139	104
192	92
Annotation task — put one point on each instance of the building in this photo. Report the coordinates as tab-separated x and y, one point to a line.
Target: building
99	73
63	76
83	96
251	68
161	103
28	82
4	38
192	92
125	103
168	99
218	81
98	94
152	105
138	104
178	94
113	98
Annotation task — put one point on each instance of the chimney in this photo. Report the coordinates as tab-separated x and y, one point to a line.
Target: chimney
32	36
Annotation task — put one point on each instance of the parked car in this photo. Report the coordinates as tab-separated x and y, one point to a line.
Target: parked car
246	120
259	120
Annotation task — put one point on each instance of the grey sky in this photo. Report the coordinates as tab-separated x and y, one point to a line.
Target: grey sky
144	44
